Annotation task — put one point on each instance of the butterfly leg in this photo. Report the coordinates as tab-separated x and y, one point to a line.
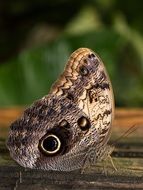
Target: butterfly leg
105	169
89	160
95	155
86	165
112	163
18	181
105	165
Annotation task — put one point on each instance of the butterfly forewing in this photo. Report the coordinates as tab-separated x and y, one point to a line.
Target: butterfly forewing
85	81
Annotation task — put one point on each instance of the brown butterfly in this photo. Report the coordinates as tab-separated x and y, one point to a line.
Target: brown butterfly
71	125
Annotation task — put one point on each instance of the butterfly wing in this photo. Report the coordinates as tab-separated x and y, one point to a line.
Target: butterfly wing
55	132
86	83
47	134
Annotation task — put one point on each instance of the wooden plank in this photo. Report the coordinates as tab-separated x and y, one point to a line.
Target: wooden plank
127	157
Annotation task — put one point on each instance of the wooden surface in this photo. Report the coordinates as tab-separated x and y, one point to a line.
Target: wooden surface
127	157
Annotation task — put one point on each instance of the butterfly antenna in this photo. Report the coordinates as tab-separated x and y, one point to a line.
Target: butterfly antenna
127	133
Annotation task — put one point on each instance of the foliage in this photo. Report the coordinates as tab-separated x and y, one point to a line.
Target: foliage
106	27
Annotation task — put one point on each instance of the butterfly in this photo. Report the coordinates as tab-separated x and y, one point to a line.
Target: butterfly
70	126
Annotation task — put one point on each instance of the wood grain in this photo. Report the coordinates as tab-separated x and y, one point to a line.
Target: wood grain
127	157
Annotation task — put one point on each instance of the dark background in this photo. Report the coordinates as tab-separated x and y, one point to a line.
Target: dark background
37	37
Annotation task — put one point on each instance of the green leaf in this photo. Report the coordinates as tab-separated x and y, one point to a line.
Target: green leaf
30	75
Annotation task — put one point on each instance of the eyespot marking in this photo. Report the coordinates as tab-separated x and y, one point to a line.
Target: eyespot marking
50	144
83	71
83	123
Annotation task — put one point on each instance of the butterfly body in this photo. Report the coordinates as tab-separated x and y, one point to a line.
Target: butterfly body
58	131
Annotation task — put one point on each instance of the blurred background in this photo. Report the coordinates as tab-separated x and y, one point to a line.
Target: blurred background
37	37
